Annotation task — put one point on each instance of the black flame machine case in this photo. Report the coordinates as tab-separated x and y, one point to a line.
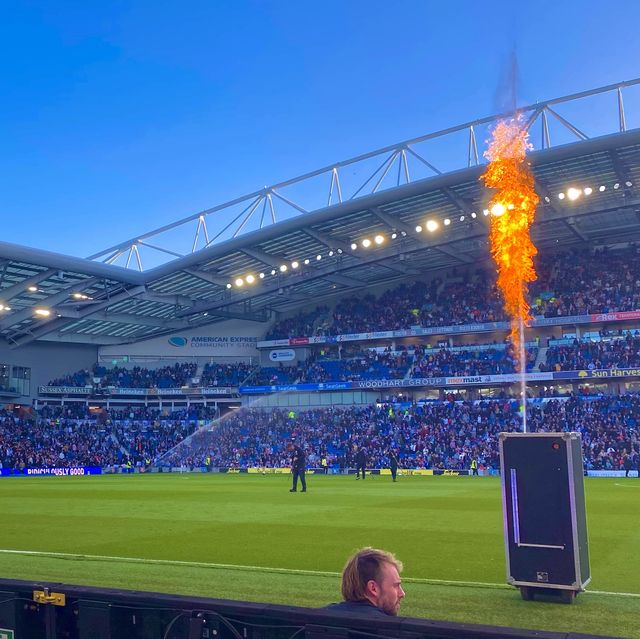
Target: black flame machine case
543	505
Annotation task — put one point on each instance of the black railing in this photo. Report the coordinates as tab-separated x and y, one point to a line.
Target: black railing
36	610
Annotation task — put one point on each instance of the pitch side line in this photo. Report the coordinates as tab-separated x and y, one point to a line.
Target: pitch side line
285	571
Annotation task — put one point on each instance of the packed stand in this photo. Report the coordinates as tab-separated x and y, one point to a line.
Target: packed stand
225	374
468	362
174	376
444	435
79	379
571	283
370	364
74	436
590	355
301	325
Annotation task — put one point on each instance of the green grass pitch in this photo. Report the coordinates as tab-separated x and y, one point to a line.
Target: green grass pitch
246	537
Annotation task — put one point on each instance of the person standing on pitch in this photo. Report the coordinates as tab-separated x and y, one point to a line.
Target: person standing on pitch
361	462
474	466
297	467
393	464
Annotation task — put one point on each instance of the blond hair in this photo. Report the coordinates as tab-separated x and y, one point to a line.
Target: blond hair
361	568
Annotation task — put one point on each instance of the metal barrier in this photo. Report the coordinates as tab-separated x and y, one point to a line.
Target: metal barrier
36	610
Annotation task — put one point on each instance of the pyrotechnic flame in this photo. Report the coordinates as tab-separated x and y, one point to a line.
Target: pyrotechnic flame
513	209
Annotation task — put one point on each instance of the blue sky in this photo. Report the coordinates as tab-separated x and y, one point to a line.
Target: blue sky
117	117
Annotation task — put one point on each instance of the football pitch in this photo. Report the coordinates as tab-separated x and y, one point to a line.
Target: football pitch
246	537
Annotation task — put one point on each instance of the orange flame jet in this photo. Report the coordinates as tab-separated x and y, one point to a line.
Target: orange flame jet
512	209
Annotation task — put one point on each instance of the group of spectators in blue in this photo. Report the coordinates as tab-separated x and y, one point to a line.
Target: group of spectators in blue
230	374
571	283
417	361
439	434
75	436
468	362
445	435
172	376
589	355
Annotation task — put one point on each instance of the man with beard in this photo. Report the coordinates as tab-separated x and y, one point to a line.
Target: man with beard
371	584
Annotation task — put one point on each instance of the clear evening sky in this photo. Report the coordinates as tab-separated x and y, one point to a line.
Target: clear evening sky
117	117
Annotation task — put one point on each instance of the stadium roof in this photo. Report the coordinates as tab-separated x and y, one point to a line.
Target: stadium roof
109	298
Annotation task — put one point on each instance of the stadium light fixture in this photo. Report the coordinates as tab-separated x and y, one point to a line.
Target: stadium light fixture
573	193
261	276
1	307
229	285
628	183
602	188
318	257
7	308
42	312
588	190
32	289
462	218
498	209
393	236
616	186
447	221
330	253
485	212
273	271
283	268
366	242
432	226
561	196
340	251
474	215
295	264
379	239
403	233
250	279
354	246
307	261
418	229
239	282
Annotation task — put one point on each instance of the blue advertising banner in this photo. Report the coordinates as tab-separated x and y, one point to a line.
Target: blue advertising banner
598	373
56	471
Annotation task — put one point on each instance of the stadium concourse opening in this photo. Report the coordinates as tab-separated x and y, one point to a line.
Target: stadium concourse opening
151	419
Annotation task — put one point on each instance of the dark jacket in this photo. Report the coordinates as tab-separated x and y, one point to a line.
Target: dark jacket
361	457
298	459
357	607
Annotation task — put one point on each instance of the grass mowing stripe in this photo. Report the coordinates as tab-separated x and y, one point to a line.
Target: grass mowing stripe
292	571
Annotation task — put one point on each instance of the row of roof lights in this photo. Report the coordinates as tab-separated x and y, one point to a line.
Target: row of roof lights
431	226
42	311
574	193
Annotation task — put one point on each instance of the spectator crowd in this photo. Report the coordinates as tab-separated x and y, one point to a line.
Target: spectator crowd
570	283
445	435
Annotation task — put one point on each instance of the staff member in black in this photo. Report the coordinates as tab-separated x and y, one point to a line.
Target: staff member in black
297	468
393	464
361	462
